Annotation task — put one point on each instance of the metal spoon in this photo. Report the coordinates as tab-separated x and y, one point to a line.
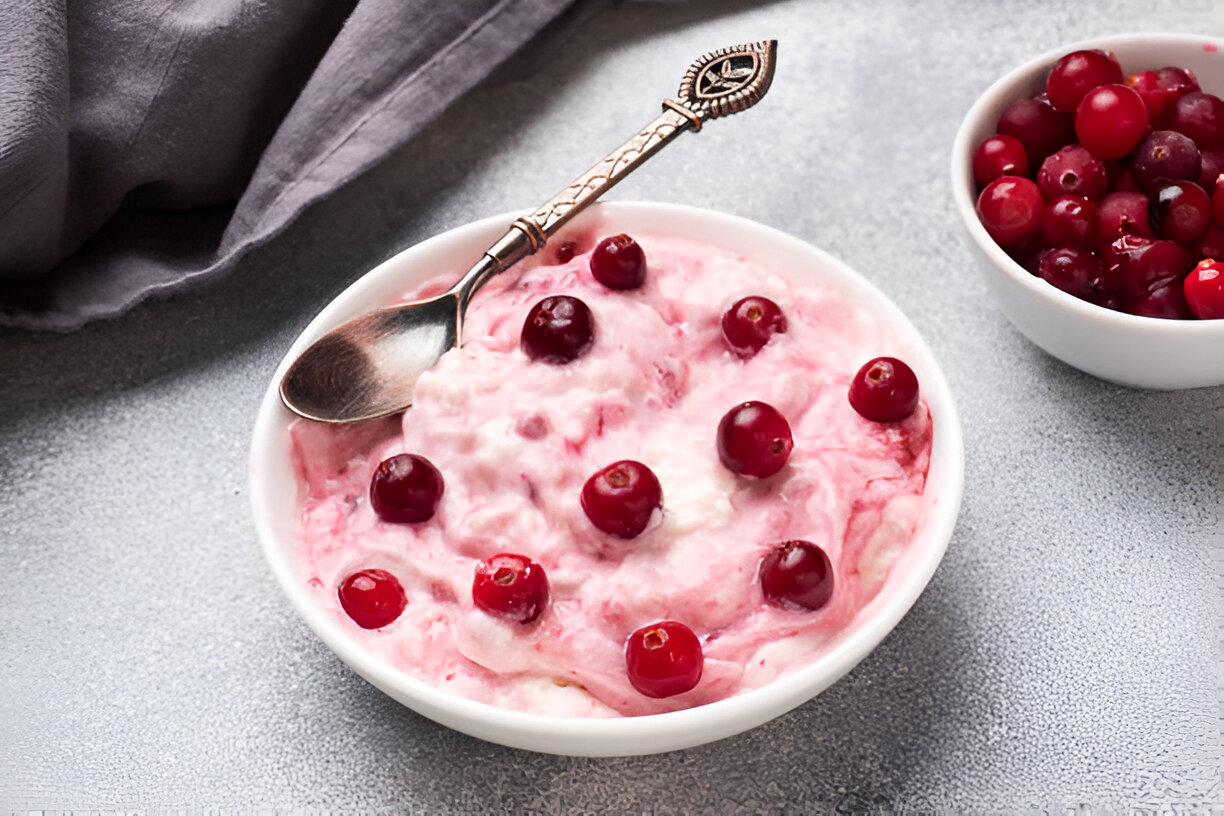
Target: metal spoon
368	367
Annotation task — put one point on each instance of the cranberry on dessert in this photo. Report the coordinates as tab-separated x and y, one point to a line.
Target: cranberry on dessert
406	489
1000	155
511	587
1204	290
884	390
1039	127
1010	209
1075	270
754	439
1077	73
1072	170
373	598
619	263
797	575
621	498
750	322
664	659
1180	211
1164	155
558	330
1110	120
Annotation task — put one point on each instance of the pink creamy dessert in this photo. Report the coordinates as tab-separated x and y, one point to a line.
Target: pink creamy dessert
515	439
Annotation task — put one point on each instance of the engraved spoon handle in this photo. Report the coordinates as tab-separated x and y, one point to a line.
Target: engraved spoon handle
717	84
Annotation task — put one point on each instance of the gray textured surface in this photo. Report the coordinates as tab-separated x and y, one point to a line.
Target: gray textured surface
1065	655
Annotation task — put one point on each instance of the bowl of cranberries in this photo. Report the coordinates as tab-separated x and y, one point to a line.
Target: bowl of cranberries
1088	180
670	487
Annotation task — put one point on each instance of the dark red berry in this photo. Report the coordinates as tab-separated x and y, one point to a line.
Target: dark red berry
565	252
1119	214
1164	155
511	587
884	390
1075	270
621	498
405	489
373	598
1204	290
1211	245
1110	120
664	659
1217	204
619	262
1134	267
1211	168
1039	127
1077	73
750	322
1069	221
1072	170
1167	301
1000	155
754	440
1201	117
558	330
1180	211
797	575
1160	89
1010	209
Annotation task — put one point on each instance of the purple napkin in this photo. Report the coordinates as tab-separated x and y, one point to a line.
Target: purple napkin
148	144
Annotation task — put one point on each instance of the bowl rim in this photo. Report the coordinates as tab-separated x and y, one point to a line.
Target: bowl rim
648	733
1010	86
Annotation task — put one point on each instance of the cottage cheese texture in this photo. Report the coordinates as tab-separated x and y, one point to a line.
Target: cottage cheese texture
515	441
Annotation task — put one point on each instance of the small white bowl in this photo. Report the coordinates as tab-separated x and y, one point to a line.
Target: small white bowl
274	497
1142	352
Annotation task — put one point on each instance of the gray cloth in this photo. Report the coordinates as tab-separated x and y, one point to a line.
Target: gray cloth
146	145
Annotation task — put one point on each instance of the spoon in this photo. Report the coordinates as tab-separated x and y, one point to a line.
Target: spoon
368	366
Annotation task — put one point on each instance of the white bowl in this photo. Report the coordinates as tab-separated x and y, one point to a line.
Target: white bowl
1143	352
274	496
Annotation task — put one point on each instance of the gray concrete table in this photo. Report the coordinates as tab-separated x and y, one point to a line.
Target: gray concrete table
1065	656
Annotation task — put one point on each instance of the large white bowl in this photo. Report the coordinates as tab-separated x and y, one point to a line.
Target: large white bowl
1144	352
274	495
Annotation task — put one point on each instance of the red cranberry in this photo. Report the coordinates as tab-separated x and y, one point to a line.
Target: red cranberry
1164	155
406	489
1072	171
1201	117
511	587
619	262
1120	214
1069	221
797	575
1110	120
565	252
1180	211
1039	127
1075	270
1211	245
1217	205
1135	267
1160	89
664	659
750	322
621	498
754	440
1212	167
1167	301
1204	290
1077	73
373	598
558	330
884	390
999	155
1010	210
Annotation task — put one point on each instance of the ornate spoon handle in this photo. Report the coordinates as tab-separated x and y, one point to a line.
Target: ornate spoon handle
717	84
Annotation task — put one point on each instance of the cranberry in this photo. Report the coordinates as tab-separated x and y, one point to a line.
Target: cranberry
1075	270
621	498
1164	154
1180	211
1039	127
1069	221
1201	117
557	330
1010	210
754	440
406	489
619	263
1167	300
1204	290
1120	214
1072	171
1000	155
750	322
1160	89
1212	168
1077	73
1110	120
1217	205
884	390
565	252
373	598
797	575
1135	267
664	659
1211	245
511	587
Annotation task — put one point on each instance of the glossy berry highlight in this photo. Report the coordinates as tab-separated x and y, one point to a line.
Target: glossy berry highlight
510	587
406	489
749	324
664	659
558	330
621	498
797	575
373	598
885	389
618	262
754	439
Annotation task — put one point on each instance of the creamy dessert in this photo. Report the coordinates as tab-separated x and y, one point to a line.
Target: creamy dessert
655	475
